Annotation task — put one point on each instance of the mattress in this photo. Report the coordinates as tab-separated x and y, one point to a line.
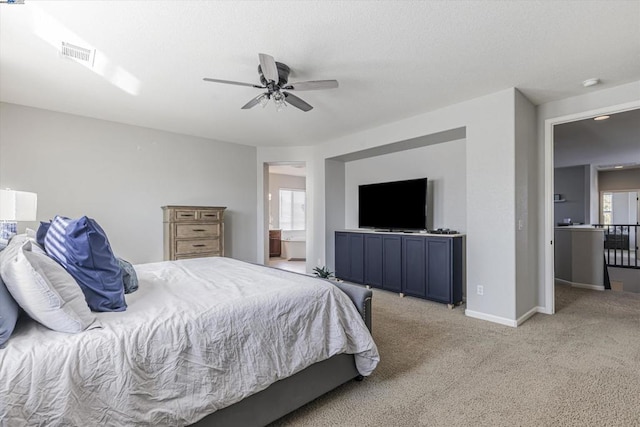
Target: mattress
197	336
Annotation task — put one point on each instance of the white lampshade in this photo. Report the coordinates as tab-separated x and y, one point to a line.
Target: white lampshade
18	205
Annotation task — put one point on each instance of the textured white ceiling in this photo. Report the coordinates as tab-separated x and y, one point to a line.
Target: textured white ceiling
393	59
606	143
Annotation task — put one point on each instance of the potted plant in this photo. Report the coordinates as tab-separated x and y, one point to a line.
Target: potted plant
323	272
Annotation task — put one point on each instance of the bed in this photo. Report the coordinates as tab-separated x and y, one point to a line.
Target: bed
207	341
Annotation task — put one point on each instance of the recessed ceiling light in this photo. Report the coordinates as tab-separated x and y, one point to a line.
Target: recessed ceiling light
618	167
590	82
601	118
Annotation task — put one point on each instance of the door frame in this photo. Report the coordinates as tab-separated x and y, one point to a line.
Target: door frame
549	268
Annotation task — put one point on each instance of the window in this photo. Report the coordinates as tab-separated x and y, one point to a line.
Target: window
607	204
292	209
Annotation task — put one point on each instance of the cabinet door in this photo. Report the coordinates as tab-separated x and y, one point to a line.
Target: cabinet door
373	260
439	269
356	258
342	256
392	263
414	266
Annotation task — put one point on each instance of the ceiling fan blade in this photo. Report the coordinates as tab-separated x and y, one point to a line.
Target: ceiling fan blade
269	68
232	82
313	85
297	102
255	101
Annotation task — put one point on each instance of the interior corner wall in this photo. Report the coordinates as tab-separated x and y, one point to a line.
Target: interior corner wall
335	200
594	196
595	101
490	187
121	175
526	205
572	183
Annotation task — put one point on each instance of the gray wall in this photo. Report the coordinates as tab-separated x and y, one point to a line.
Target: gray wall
616	180
490	190
526	203
572	183
444	165
121	175
276	182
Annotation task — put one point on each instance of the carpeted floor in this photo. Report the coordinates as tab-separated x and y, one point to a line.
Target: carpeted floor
579	367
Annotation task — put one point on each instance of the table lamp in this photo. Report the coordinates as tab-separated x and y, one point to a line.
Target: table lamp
16	206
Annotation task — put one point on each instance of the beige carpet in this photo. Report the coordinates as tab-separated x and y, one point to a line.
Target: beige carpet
579	367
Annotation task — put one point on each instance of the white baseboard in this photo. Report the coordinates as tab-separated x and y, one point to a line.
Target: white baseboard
491	318
528	314
544	310
582	285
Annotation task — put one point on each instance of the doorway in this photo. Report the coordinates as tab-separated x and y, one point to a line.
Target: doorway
287	216
550	194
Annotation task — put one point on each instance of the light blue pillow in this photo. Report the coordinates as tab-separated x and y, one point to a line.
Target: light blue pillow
82	248
8	312
129	276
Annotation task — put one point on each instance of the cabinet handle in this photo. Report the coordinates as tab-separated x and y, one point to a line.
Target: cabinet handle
198	229
198	246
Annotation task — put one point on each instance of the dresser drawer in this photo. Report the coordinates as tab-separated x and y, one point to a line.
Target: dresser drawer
208	215
185	215
197	246
189	231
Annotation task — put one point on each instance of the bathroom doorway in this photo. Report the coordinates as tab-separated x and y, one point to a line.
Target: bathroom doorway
287	216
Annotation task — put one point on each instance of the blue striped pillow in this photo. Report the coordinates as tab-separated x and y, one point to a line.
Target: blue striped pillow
82	248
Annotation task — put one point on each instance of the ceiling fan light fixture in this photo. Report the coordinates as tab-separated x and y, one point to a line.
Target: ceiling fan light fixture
274	77
264	100
279	100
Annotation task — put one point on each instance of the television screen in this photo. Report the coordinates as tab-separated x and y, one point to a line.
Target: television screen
397	205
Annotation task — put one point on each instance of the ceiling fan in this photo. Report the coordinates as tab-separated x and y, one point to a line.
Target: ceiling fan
274	77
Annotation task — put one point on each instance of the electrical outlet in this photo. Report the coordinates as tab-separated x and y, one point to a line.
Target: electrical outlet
480	290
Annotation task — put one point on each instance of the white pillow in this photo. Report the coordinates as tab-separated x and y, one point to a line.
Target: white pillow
44	289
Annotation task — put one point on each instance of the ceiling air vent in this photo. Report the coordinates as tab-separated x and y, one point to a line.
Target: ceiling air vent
77	53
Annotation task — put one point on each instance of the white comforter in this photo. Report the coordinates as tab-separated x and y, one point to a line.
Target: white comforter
197	336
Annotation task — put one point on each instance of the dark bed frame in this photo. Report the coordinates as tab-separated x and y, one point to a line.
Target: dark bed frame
288	394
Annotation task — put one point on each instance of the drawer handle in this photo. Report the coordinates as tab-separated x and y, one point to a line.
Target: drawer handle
198	229
210	215
198	246
189	215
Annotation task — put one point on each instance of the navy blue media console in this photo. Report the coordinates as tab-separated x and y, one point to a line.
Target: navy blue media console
426	266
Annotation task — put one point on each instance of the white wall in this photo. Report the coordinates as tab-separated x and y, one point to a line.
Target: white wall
444	165
624	207
121	175
276	182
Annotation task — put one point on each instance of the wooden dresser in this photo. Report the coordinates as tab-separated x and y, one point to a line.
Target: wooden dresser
193	231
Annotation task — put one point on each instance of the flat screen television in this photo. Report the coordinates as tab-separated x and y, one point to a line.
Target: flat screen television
396	205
